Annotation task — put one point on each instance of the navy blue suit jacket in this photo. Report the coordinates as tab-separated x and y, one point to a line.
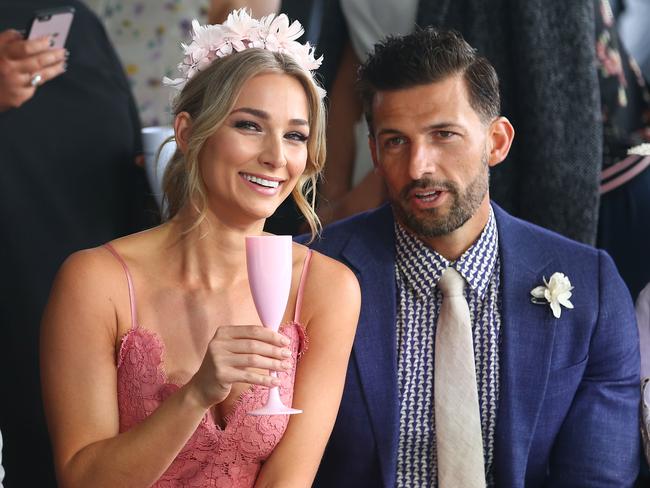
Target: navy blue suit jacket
569	387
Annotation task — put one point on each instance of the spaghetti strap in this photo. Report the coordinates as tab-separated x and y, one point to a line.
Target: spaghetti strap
129	280
301	286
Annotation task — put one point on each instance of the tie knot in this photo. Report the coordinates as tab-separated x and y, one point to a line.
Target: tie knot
451	283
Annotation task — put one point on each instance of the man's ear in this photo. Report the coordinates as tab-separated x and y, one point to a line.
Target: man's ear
372	144
182	130
500	136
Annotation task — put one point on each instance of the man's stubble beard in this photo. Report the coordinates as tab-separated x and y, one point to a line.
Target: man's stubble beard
429	223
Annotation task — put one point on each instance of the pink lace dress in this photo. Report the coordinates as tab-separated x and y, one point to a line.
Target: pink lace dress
213	456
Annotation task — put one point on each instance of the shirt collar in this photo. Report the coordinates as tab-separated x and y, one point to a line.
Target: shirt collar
422	267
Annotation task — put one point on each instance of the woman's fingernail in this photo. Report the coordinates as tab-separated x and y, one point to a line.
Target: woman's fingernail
286	364
285	340
276	381
286	353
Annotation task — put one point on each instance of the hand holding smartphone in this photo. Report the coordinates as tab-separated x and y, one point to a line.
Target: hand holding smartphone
54	23
26	64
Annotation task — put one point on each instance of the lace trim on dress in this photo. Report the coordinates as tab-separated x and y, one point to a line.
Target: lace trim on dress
213	456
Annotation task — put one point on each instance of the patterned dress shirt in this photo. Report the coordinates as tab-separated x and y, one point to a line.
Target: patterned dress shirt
417	271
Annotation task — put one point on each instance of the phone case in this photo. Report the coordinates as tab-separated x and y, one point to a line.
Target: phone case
54	23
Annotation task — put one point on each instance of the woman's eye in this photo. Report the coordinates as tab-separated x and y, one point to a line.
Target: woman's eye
247	125
297	136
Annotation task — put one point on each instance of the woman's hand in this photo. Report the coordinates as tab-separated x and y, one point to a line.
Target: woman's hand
233	355
20	62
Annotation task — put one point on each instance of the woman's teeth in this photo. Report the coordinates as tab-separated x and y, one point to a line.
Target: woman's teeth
262	181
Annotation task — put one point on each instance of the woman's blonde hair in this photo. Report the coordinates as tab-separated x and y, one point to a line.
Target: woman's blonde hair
209	98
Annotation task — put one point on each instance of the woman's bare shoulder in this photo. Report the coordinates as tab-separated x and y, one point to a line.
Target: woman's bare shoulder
90	292
82	301
82	268
324	265
98	274
330	283
141	245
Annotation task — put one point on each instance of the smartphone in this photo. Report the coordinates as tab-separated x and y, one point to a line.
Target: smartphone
53	22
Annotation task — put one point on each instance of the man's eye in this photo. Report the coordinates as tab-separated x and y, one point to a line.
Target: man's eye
247	125
445	134
395	141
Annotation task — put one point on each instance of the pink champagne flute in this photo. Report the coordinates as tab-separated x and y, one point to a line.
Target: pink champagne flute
269	263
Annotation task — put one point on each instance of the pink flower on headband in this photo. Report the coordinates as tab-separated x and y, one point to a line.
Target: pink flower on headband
304	56
240	23
279	34
238	33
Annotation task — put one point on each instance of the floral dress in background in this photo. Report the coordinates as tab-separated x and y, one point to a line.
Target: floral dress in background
147	36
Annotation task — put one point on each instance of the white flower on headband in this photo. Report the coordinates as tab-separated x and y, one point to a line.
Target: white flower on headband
238	33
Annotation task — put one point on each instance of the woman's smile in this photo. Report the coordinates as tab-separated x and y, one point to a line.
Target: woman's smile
266	185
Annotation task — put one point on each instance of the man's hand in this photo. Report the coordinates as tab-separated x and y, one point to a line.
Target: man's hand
20	62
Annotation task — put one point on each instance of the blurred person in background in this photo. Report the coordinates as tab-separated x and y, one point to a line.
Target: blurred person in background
69	134
219	9
624	213
634	26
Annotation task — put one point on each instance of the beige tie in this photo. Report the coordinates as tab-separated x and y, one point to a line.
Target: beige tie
459	442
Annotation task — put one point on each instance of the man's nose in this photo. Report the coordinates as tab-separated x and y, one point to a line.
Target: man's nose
422	161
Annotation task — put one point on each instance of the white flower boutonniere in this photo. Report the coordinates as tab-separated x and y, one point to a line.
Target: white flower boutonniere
556	292
640	150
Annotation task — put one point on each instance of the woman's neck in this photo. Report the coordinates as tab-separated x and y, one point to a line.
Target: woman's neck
211	255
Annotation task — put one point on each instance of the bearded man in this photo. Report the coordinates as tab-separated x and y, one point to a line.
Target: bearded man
489	351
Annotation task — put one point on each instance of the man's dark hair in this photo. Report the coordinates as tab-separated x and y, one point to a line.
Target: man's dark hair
427	56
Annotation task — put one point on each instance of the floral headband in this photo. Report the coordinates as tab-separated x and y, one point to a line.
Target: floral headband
238	33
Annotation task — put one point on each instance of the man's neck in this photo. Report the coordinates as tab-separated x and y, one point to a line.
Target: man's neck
452	246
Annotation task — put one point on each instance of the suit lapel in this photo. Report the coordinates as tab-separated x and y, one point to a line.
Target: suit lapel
526	347
372	254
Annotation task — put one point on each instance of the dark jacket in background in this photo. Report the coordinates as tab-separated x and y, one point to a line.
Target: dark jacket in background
68	181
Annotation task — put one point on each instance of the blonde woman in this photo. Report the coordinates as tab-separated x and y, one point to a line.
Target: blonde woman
151	350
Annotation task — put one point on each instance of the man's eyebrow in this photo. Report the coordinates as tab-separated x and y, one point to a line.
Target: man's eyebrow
436	126
265	116
444	125
388	131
